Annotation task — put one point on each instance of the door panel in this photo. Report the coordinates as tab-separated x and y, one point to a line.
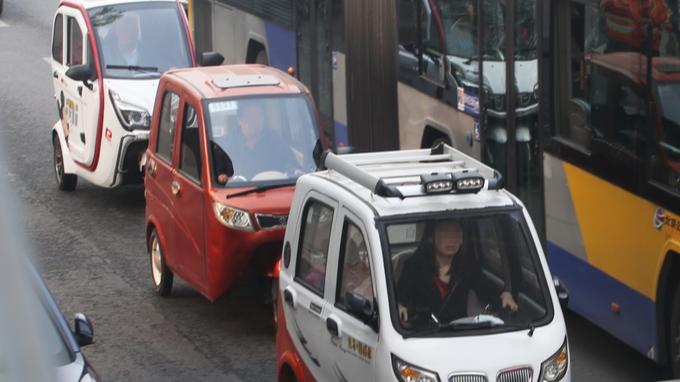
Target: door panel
189	199
311	283
353	348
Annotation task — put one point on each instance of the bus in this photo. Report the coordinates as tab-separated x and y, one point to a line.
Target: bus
571	101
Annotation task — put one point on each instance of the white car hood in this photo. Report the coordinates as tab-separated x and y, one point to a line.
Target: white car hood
137	92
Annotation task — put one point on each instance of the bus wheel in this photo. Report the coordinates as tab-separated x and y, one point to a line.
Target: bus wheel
160	274
65	182
675	334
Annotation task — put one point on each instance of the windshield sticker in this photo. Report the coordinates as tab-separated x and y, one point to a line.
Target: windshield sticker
222	106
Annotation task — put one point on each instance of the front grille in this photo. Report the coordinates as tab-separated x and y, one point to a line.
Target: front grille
468	378
523	374
271	221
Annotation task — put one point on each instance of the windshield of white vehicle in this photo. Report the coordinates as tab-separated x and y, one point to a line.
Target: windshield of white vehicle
459	21
260	140
140	40
454	275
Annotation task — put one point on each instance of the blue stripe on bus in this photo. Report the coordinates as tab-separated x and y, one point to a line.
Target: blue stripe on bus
341	135
281	45
591	292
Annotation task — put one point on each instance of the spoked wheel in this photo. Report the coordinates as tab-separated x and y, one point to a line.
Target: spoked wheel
675	334
160	274
65	182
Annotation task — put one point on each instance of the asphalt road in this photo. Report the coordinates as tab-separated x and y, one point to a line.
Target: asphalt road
89	246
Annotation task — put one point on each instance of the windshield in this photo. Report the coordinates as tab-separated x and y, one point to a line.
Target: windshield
140	40
479	272
459	20
257	140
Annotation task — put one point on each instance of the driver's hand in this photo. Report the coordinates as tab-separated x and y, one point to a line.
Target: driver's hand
403	313
507	301
222	178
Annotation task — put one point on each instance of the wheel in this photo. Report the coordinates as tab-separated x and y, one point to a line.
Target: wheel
674	330
160	274
65	182
261	57
275	300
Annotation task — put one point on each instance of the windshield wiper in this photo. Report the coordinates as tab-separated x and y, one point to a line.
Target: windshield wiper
135	68
259	189
480	321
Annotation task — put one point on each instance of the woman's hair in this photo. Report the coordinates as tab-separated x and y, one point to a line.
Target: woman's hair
427	249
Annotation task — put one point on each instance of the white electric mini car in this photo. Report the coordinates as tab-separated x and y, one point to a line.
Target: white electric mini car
107	58
415	266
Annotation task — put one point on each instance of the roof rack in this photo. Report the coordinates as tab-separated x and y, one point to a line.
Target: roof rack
439	170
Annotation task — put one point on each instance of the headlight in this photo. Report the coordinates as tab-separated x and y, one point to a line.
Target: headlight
132	117
555	367
233	217
408	373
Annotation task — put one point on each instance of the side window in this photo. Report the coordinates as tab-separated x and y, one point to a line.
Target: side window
314	240
166	130
354	272
190	154
75	43
58	39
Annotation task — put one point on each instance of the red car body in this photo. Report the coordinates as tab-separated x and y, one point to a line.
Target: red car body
195	244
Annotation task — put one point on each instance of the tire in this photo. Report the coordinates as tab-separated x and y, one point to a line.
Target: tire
275	301
65	182
161	275
261	57
674	331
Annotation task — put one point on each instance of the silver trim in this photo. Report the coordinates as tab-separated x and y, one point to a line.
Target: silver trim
516	374
468	377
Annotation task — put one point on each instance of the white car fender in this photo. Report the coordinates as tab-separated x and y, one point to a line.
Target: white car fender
69	164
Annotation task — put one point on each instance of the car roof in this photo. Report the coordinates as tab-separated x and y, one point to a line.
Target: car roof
237	80
406	175
87	4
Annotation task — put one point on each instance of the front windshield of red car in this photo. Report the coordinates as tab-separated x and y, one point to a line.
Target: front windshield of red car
260	140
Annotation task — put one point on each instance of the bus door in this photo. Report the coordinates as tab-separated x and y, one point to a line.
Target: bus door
507	36
314	56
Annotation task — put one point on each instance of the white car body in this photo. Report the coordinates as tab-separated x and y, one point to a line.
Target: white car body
364	353
93	141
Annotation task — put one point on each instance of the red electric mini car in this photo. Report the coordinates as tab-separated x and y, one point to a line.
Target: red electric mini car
226	147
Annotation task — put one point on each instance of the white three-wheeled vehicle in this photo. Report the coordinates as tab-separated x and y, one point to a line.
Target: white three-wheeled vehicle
107	58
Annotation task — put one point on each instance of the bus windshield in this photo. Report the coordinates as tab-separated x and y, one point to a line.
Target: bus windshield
258	140
140	40
474	272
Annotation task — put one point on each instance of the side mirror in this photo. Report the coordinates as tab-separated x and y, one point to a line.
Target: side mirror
562	292
317	152
83	330
82	73
211	59
362	309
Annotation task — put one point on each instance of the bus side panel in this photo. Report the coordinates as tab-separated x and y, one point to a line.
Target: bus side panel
612	256
280	46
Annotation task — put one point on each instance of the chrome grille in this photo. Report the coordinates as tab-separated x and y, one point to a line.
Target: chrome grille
271	221
468	378
523	374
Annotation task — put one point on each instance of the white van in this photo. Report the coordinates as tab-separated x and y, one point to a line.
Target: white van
415	266
107	58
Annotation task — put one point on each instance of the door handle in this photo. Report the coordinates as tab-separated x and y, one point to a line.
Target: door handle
175	188
288	297
332	327
80	91
55	74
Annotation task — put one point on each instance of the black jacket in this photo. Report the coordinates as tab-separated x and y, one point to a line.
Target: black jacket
417	289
